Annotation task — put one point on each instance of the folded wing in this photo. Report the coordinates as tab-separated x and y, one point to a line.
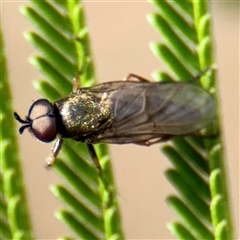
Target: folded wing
144	111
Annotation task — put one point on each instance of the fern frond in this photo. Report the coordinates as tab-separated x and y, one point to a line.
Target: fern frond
63	42
13	202
199	173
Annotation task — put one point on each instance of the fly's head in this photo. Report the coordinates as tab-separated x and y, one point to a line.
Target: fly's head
41	121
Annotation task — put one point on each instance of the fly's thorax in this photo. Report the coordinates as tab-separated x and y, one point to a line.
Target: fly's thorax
82	114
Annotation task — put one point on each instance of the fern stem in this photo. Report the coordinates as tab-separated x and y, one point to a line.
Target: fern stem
111	213
200	170
16	216
64	23
220	205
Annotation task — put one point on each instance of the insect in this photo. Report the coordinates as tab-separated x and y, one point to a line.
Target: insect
131	111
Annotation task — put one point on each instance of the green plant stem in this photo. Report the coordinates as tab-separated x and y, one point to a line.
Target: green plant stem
13	187
220	205
63	23
200	173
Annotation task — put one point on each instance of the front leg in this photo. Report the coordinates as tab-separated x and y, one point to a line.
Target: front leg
55	150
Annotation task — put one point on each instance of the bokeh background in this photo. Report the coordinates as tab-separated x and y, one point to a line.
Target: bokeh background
120	36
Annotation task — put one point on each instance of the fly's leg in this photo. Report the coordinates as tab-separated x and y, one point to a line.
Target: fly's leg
55	150
107	201
131	77
200	74
148	143
76	84
94	157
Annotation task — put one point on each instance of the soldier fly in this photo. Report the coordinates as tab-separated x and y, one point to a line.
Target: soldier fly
131	111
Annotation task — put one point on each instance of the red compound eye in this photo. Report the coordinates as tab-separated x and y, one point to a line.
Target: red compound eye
42	120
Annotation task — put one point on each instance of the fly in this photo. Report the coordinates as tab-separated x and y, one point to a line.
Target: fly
132	111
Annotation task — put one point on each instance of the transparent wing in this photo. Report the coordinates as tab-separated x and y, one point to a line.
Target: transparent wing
144	111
